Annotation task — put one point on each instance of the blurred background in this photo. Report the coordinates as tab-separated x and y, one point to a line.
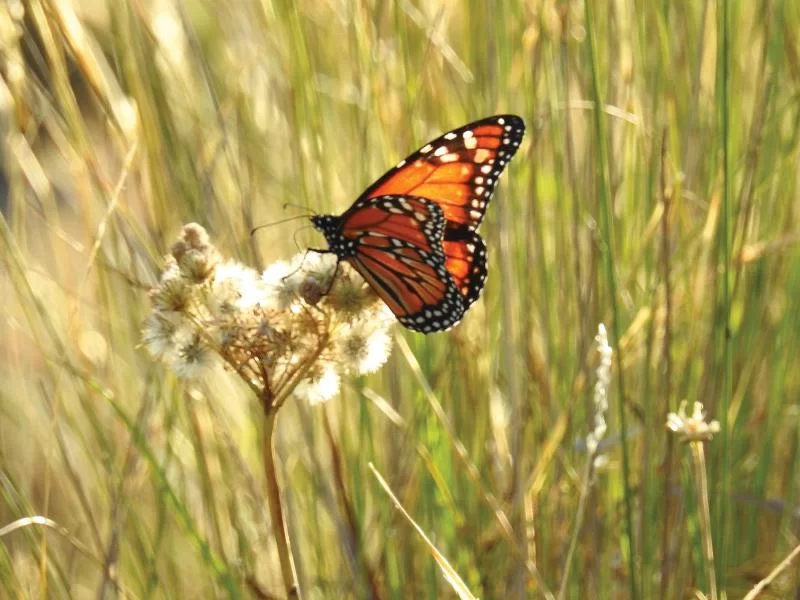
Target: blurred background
655	192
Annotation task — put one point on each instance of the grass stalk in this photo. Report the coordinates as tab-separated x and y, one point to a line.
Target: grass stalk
573	542
667	352
704	511
288	571
780	568
117	127
727	340
607	247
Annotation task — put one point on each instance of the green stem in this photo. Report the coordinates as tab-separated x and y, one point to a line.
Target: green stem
727	341
699	463
587	482
607	248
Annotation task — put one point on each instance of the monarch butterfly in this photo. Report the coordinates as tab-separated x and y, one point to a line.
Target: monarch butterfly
413	234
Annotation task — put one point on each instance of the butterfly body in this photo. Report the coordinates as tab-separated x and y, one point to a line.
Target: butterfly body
413	235
331	228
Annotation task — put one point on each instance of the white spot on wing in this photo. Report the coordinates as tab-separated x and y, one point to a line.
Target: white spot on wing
481	155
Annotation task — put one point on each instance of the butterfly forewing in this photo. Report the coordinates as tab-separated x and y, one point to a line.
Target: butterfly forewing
458	170
394	218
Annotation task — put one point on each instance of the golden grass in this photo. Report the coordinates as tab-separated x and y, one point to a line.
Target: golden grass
670	214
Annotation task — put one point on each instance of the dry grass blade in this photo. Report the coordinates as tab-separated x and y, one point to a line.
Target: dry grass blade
448	571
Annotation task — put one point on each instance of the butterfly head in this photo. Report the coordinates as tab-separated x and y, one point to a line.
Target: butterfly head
331	228
322	221
329	225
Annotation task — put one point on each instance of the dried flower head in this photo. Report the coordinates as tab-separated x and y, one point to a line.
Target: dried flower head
292	329
194	255
173	294
311	291
350	296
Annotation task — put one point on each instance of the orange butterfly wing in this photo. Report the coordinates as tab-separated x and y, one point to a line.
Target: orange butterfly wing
413	235
398	251
458	170
465	260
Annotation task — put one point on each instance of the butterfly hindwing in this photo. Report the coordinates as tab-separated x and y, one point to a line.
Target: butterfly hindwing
398	249
466	261
458	170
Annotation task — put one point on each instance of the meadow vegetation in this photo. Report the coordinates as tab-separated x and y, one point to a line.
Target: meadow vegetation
656	192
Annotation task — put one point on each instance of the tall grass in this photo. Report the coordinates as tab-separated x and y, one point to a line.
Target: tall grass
656	192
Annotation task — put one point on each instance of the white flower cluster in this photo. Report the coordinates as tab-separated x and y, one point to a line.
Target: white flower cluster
291	330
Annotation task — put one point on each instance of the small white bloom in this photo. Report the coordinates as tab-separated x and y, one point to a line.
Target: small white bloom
309	315
159	332
280	287
235	287
320	386
692	428
192	356
364	345
283	280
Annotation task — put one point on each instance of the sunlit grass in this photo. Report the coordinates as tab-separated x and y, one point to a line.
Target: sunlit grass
669	213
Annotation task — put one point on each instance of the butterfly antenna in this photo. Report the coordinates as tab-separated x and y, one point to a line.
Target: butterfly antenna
279	222
297	206
294	236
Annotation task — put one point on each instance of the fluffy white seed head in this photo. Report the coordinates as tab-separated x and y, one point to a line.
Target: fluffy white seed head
291	330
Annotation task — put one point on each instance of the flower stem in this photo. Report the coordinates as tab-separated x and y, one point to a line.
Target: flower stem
276	510
699	463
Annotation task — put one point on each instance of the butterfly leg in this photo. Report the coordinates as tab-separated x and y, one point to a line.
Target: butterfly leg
333	278
302	262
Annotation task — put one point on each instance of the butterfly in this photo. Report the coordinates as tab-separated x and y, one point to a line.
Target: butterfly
413	234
